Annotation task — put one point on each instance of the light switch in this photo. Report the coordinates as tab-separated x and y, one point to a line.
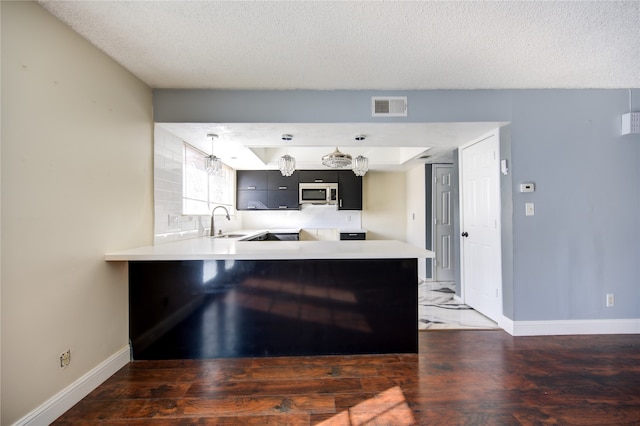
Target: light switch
529	209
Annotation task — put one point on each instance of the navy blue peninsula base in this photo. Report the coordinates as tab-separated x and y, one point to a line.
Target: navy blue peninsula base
195	309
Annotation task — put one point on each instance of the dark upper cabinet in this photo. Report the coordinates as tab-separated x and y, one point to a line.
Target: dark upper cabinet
251	190
269	190
281	200
252	200
266	190
349	190
250	180
277	182
326	176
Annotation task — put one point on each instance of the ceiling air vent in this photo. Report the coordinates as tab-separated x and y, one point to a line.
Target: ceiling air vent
395	106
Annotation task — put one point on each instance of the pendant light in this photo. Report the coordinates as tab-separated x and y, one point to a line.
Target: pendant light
212	164
336	160
360	163
287	164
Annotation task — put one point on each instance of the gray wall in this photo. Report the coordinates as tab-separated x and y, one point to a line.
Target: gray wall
584	240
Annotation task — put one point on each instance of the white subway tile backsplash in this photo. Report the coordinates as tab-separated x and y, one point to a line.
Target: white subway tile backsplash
170	223
168	175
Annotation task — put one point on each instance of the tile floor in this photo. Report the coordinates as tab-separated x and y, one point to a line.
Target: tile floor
438	310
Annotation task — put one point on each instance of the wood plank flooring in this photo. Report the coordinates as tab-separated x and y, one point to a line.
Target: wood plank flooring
458	378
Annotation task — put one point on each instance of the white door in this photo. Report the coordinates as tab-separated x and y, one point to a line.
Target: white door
443	221
480	227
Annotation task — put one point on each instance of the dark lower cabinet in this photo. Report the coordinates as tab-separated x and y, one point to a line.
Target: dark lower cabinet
353	236
254	308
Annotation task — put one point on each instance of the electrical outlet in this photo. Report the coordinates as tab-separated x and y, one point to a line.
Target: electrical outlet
65	358
610	300
174	219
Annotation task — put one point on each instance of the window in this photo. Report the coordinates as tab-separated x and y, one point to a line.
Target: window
201	192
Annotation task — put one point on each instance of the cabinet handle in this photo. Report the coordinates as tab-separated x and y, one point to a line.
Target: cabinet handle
353	235
340	202
282	207
251	207
251	187
282	187
319	180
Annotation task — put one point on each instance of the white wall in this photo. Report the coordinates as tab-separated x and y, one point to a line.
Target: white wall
76	183
384	205
416	215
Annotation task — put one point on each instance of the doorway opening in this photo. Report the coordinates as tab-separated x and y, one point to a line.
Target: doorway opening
463	288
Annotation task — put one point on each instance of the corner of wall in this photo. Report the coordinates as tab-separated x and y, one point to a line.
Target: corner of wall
506	219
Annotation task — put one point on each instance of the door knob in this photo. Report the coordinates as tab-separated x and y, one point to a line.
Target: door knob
465	234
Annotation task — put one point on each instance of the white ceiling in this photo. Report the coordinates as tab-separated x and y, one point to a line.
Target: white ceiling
328	45
387	146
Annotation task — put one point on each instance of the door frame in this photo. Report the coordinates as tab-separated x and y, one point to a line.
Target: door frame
496	134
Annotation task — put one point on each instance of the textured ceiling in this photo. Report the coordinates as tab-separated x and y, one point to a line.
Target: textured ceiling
365	45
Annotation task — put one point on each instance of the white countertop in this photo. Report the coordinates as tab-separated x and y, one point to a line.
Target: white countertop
202	248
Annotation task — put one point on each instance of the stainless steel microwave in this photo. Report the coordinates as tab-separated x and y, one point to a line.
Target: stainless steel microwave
318	193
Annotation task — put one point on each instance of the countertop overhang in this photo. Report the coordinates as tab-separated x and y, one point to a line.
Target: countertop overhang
204	248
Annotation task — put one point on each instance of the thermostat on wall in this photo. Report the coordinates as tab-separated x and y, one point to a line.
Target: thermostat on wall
527	187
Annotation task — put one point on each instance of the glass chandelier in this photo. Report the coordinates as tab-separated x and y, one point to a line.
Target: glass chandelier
336	160
360	165
287	164
212	164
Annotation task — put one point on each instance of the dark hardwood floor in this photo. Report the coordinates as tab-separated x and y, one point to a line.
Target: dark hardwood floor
458	378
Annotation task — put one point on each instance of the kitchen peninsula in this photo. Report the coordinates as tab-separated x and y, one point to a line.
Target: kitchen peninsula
211	297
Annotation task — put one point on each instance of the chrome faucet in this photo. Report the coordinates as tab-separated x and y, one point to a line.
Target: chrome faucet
213	229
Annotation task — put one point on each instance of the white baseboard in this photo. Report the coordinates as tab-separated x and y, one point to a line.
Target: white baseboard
556	328
72	394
